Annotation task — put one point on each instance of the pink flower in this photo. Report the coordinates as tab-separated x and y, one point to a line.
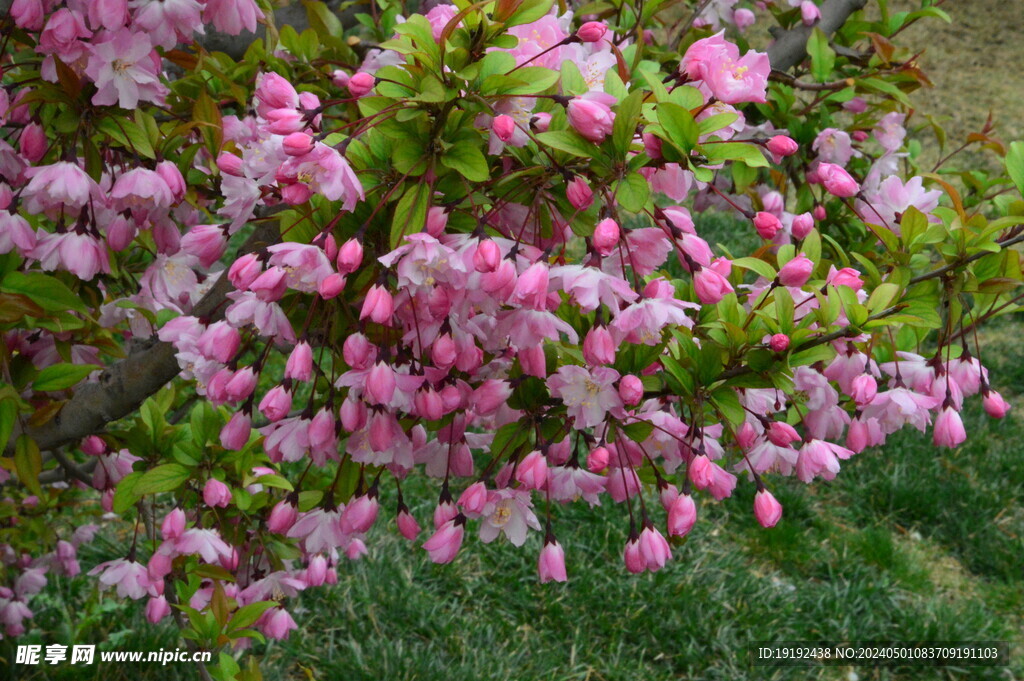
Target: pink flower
282	517
207	544
631	390
129	577
276	404
994	404
801	226
710	286
767	225
157	608
299	366
579	193
126	70
276	623
781	145
606	236
216	493
820	458
732	79
60	185
809	13
589	396
206	242
473	499
767	510
445	543
407	524
504	126
949	428
682	515
232	16
591	115
15	234
654	548
508	512
551	564
361	84
360	514
837	181
532	471
592	31
797	271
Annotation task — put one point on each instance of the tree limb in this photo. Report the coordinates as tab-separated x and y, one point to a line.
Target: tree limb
124	385
790	47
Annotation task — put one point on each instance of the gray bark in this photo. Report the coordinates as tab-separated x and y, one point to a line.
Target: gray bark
790	47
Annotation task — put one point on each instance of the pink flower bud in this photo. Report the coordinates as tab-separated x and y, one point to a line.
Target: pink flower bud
360	514
429	404
592	31
437	220
631	390
994	404
606	236
863	389
599	346
779	342
358	351
797	271
331	286
597	460
579	193
654	548
487	256
297	144
380	383
285	121
295	194
504	126
859	135
445	543
949	428
235	434
157	609
837	181
93	445
316	571
276	404
540	121
244	271
743	18
781	434
533	361
271	285
710	286
216	493
551	564
353	414
682	516
782	145
532	471
443	352
809	13
473	499
299	366
490	395
173	525
350	256
32	142
767	510
591	118
378	306
701	471
652	145
229	164
802	225
819	213
220	341
407	525
767	225
360	84
241	385
282	517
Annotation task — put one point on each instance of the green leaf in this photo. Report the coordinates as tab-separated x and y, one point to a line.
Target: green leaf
61	376
823	58
271	480
28	462
678	123
632	192
124	495
248	614
8	415
569	142
466	158
624	127
46	291
882	296
163	478
411	212
128	134
757	266
1015	164
735	151
528	12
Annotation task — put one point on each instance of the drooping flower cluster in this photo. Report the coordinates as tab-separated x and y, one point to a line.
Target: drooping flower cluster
486	269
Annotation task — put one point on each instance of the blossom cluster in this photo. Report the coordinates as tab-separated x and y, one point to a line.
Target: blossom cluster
489	270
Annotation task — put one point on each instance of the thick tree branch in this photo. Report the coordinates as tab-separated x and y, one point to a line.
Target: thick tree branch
790	47
127	383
